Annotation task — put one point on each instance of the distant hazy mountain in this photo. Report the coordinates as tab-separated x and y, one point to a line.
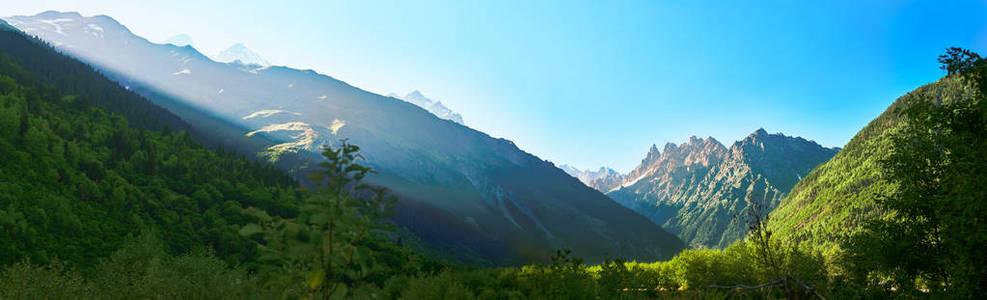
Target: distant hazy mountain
432	106
695	189
604	180
240	53
180	40
463	193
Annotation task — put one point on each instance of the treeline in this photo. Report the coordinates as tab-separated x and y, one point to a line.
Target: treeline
41	66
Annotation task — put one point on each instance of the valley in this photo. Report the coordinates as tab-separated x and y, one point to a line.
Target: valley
132	169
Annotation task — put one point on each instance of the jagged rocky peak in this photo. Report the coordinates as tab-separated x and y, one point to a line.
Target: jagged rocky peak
759	132
762	141
705	151
696	151
782	159
759	136
653	154
669	147
694	143
692	188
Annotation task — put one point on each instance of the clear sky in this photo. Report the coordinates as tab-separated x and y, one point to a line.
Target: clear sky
594	83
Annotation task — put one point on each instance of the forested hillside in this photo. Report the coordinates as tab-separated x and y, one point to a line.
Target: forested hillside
76	180
838	197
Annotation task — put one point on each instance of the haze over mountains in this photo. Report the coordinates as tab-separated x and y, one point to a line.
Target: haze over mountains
462	192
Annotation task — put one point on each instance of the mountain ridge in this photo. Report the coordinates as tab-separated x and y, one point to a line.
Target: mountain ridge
695	189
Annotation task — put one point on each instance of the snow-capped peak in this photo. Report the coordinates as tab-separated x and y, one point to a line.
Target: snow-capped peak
432	106
240	53
180	40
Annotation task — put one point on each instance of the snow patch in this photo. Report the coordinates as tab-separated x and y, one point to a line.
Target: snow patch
336	125
254	71
632	182
305	139
95	30
267	113
96	27
54	24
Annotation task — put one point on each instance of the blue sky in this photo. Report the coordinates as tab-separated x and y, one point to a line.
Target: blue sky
595	83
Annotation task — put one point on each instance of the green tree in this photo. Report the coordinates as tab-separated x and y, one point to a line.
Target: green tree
334	236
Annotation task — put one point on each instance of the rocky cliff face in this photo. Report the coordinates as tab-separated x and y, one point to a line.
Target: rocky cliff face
695	189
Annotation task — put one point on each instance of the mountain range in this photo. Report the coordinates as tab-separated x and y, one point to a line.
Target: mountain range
462	193
603	180
696	189
432	106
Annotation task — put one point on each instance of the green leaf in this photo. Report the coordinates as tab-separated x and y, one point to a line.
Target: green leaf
340	292
314	278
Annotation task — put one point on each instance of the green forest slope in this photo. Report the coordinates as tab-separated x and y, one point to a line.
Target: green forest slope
76	180
837	198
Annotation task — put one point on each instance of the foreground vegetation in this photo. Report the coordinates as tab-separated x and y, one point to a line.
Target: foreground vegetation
93	206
